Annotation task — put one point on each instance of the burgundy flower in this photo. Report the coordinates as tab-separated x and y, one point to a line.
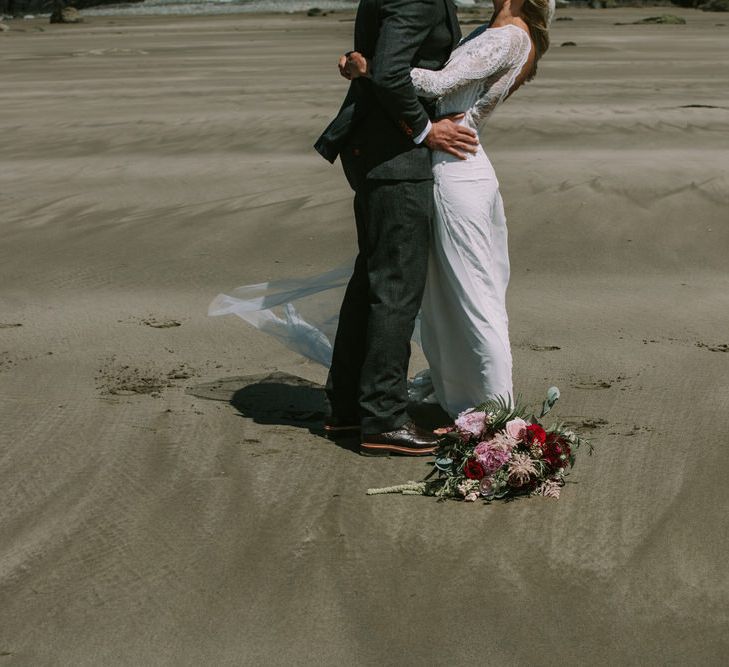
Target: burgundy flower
473	469
535	433
553	449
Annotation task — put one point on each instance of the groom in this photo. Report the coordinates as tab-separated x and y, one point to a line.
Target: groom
383	134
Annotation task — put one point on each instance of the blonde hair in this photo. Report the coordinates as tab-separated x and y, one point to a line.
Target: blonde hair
537	15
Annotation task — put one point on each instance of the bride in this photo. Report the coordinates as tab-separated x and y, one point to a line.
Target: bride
464	324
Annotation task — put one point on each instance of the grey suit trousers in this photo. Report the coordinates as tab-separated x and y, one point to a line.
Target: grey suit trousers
367	381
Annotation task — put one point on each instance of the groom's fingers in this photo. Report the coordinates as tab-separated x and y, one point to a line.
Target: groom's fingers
467	136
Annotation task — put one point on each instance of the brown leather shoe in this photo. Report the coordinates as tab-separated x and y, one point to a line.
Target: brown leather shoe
408	440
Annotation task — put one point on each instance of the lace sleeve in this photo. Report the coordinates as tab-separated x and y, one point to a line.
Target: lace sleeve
476	59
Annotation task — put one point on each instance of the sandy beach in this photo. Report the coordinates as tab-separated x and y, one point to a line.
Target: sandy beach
156	511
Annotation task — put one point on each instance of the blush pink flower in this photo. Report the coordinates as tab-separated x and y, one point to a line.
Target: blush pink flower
516	428
471	422
468	487
492	454
504	440
521	469
549	488
471	497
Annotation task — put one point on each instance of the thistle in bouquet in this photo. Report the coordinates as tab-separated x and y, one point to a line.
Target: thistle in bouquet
499	450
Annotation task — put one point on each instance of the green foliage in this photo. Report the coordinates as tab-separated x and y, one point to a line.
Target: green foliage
501	410
552	398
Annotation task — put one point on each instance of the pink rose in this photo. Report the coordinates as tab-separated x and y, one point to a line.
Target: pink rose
516	428
471	497
471	422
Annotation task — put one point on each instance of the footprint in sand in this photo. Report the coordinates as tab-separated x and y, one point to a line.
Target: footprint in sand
721	347
636	430
700	106
588	424
182	372
111	52
10	325
537	348
161	324
597	384
125	380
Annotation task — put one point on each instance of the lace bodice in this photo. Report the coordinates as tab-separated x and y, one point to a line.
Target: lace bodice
479	74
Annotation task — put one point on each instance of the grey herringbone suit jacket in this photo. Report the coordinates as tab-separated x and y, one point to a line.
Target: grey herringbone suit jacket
380	117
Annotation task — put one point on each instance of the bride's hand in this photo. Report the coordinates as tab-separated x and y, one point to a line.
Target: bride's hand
354	65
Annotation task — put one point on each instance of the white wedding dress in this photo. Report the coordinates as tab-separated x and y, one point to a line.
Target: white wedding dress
464	325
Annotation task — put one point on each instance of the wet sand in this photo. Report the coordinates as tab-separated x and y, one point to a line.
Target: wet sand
147	164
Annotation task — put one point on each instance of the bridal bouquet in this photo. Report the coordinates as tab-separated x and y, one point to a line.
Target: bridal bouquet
499	450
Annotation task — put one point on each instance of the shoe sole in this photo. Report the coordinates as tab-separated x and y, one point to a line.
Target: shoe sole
373	449
341	429
341	432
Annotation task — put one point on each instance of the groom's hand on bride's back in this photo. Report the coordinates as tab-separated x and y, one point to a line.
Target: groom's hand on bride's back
448	136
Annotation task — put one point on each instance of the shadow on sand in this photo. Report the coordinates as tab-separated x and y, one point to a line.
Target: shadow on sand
281	398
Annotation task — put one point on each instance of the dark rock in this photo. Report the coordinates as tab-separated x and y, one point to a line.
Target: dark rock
63	14
564	18
22	7
315	11
568	44
715	6
612	4
663	19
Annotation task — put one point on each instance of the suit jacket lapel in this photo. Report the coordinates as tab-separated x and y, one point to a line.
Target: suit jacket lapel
453	23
